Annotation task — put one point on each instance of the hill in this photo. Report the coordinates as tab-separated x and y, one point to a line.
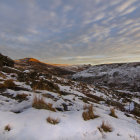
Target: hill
38	66
123	76
36	103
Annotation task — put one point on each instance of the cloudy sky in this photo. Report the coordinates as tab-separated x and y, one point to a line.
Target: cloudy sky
71	31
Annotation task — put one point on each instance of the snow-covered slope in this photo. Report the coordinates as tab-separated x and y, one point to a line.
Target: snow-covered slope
27	122
123	76
37	106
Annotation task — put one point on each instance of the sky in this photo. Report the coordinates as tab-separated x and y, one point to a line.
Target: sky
71	31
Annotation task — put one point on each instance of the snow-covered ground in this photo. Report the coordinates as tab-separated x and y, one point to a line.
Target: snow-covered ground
31	124
28	123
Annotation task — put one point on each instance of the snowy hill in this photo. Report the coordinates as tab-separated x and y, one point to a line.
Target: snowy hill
39	106
77	68
121	76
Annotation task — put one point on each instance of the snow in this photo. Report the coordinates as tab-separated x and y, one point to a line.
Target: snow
26	71
28	123
31	124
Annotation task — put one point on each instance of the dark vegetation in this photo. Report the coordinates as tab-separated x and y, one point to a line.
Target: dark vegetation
45	85
6	61
7	84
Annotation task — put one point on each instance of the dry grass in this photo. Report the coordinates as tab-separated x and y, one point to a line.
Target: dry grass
138	121
88	114
106	127
9	84
52	120
39	103
7	128
113	113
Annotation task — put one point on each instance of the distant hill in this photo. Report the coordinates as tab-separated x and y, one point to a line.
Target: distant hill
38	66
27	60
119	75
56	69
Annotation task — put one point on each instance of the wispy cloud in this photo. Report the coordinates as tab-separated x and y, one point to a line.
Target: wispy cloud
78	31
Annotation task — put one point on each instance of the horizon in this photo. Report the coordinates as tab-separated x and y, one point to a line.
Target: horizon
71	32
76	64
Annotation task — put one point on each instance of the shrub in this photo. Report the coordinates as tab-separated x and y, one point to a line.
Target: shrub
9	70
22	96
2	86
7	127
52	121
112	113
9	84
88	114
45	85
39	103
106	127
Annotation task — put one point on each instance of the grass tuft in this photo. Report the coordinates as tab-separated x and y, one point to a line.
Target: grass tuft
88	113
113	113
39	103
52	120
7	128
106	127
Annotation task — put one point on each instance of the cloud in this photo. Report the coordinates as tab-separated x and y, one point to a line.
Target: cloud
125	5
78	31
67	8
129	10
